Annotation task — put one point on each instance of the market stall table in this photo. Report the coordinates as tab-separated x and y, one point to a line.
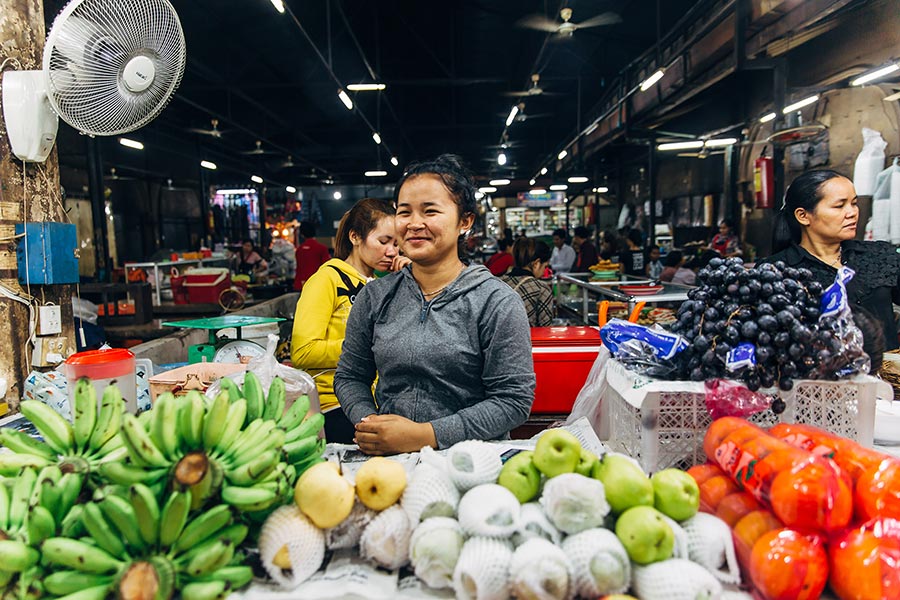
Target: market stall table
166	266
610	289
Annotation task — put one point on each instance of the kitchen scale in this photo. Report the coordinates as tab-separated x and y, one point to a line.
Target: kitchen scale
224	350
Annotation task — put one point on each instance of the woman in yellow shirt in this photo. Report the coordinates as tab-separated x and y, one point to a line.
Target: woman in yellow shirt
365	242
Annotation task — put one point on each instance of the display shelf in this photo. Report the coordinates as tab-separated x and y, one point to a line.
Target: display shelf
166	266
592	291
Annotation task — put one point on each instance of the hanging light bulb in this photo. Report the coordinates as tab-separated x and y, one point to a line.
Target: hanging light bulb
501	159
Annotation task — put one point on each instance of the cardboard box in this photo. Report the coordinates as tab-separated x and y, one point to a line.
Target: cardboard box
198	376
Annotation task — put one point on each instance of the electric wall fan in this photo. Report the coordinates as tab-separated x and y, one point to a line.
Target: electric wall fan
110	67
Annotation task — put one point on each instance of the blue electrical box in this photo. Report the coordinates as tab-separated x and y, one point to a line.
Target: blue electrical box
52	253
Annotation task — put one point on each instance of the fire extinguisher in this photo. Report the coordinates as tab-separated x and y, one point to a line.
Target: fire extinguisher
764	180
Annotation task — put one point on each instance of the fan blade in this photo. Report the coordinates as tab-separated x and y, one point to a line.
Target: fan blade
607	18
517	94
538	22
203	131
529	116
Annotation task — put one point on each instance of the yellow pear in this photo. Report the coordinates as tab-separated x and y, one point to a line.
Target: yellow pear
323	495
380	482
282	558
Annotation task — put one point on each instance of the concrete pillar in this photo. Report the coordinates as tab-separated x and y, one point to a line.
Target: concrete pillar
31	193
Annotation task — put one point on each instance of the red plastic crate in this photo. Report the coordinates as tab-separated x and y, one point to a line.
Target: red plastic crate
563	357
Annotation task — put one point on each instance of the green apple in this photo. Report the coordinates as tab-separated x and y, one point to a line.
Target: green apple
645	534
586	463
557	452
521	477
675	494
626	485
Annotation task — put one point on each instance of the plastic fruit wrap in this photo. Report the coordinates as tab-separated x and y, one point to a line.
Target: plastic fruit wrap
788	565
721	496
875	476
804	491
865	561
750	528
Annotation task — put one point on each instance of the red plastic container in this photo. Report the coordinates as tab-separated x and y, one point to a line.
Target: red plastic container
563	357
103	367
205	285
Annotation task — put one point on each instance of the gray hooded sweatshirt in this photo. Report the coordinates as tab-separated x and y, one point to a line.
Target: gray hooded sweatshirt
461	361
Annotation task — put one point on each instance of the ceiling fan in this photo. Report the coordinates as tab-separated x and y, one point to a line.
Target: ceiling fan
534	90
214	132
522	116
702	153
113	176
566	28
288	164
258	151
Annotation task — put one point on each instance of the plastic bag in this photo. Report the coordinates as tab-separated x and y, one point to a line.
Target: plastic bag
725	398
869	162
839	340
642	349
866	560
266	368
589	402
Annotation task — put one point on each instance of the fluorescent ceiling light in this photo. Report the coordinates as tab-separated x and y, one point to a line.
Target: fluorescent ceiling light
562	154
290	189
544	171
650	81
558	187
338	195
376	137
394	161
236	192
512	114
800	104
208	165
279	5
601	190
718	143
501	158
680	145
499	181
532	181
366	87
376	173
131	143
487	190
875	75
479	195
537	191
766	118
577	179
345	99
256	179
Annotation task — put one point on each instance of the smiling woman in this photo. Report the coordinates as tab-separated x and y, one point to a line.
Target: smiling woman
815	230
450	343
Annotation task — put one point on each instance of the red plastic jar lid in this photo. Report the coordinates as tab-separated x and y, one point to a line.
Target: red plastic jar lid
100	364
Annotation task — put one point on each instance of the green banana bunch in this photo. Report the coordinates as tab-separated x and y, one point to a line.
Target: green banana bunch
302	448
90	441
204	447
136	543
33	507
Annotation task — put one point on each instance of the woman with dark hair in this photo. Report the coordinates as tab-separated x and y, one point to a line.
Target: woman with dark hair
365	242
816	230
502	261
450	343
531	259
671	264
726	242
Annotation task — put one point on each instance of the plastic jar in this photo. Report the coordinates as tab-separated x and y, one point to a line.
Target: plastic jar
103	367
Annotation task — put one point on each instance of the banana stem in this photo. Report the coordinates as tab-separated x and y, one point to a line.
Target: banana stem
140	582
192	468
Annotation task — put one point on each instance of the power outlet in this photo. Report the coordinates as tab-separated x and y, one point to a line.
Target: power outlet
49	352
49	320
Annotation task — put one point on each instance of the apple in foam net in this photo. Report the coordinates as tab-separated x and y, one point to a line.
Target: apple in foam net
675	494
521	477
557	451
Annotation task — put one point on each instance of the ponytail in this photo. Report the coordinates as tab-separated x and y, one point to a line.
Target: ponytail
804	192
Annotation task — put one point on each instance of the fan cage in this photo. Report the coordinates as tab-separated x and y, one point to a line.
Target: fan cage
89	45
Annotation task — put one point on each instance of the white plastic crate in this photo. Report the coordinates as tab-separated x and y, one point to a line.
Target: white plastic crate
662	423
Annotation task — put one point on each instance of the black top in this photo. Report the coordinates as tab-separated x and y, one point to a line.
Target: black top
634	262
587	257
874	287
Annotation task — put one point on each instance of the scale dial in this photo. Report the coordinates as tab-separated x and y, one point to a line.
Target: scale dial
239	351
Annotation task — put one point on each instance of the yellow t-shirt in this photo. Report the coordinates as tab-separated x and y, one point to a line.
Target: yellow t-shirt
320	324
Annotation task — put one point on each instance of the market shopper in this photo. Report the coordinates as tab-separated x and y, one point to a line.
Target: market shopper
502	261
365	242
563	256
450	343
673	262
816	229
632	258
531	258
726	242
654	264
310	255
587	253
247	261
